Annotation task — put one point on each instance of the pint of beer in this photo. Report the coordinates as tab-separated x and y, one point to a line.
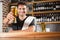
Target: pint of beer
14	10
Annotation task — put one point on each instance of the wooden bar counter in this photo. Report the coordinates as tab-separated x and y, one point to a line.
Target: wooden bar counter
30	36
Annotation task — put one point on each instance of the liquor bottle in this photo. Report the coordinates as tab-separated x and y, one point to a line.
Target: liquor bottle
57	5
35	7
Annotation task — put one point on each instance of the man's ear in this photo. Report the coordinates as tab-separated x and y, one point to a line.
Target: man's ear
27	8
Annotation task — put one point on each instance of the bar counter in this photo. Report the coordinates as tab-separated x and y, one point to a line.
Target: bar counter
30	36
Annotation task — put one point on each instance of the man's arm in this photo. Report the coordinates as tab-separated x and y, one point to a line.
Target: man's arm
30	29
9	18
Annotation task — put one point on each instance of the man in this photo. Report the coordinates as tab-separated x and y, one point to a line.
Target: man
23	23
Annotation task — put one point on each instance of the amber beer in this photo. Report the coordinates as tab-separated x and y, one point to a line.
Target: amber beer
14	10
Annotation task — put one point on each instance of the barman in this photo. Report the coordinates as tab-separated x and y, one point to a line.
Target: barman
23	23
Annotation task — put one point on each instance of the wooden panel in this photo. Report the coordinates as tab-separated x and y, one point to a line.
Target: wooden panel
30	34
16	38
38	38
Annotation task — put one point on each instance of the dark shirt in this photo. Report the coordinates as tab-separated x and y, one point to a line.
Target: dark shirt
19	24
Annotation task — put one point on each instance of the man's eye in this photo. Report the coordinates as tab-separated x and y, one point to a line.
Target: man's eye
23	8
19	8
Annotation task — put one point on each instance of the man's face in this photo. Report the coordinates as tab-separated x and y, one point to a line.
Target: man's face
22	10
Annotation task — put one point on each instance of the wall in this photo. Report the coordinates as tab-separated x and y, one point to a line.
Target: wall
0	16
5	10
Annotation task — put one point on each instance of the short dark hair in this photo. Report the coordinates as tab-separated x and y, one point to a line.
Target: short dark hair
21	3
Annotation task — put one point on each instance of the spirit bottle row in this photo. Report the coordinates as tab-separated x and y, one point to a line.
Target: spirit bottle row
48	17
46	6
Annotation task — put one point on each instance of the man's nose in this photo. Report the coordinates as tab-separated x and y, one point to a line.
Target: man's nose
21	10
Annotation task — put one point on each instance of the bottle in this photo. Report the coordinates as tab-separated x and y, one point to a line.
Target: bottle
57	7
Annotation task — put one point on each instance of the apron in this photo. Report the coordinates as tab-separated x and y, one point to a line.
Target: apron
27	23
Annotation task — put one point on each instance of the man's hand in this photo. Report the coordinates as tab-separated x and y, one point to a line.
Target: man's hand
10	16
9	19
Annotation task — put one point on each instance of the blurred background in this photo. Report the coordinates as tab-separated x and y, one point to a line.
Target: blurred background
47	13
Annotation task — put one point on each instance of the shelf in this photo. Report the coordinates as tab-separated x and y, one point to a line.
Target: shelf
48	22
42	1
13	3
46	11
30	13
17	3
36	2
46	1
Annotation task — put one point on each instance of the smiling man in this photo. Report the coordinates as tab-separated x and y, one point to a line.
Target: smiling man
23	23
